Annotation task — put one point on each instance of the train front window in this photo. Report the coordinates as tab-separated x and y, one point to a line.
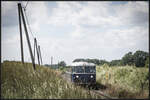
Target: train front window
79	69
90	69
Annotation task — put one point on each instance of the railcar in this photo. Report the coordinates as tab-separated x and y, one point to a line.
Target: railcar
83	73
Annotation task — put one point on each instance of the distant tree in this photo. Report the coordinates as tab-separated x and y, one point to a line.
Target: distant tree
128	59
95	61
140	58
101	62
115	63
46	65
62	63
88	60
147	62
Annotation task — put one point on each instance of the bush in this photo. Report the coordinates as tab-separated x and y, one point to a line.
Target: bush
129	78
22	82
147	62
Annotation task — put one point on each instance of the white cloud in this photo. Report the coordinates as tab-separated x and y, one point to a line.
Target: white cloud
97	30
9	7
132	12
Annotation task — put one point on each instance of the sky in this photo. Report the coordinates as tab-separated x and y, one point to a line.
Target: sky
76	29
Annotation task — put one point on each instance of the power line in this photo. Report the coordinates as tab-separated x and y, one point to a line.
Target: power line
28	24
25	19
27	36
26	4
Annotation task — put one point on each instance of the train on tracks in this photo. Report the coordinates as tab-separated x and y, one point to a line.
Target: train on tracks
83	73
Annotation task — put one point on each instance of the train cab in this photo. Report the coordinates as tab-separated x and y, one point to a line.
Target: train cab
83	73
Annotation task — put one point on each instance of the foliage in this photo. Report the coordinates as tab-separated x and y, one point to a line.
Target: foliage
101	62
62	63
147	62
140	58
128	59
128	78
22	82
115	63
53	66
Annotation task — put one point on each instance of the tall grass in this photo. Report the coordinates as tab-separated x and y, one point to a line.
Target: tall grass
22	82
125	79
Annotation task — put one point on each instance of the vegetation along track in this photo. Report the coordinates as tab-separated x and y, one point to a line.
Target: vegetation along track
92	89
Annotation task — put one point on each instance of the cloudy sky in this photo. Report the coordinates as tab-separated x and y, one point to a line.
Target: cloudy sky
70	30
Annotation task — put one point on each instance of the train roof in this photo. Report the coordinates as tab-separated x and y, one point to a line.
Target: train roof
82	64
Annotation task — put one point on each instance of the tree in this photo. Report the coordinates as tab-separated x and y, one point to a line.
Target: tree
147	62
140	58
115	63
95	61
62	63
101	62
128	59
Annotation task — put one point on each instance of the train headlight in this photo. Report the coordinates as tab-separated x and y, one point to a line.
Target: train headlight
77	76
91	76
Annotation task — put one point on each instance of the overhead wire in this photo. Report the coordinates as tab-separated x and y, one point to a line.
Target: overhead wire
24	9
28	24
26	5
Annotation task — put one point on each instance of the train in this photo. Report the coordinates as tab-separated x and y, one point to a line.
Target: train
83	73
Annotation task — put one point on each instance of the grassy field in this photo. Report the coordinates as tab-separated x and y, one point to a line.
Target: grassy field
18	81
124	81
22	82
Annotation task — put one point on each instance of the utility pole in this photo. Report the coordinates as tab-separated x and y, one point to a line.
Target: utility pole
35	47
51	61
21	39
28	40
40	54
34	51
58	63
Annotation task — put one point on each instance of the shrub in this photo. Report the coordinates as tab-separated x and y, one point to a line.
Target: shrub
21	81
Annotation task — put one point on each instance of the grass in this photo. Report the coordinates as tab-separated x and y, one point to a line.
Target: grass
124	81
22	82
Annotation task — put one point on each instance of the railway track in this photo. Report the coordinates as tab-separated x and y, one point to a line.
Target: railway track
66	77
103	94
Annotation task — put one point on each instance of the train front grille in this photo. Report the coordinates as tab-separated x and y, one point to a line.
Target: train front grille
84	78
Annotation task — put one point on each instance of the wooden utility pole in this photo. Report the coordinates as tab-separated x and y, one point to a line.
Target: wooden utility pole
28	40
51	60
34	50
35	47
58	63
40	54
21	39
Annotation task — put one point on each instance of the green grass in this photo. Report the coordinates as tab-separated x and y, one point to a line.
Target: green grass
124	81
18	82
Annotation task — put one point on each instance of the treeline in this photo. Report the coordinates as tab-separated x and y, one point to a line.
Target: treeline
138	59
55	66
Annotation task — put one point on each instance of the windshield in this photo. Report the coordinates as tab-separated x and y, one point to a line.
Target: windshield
86	69
90	69
78	69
